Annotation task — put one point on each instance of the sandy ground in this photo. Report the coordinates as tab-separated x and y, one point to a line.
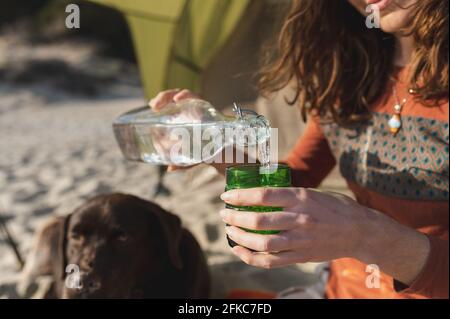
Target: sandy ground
57	149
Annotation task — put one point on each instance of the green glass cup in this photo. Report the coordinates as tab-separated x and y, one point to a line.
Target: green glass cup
254	176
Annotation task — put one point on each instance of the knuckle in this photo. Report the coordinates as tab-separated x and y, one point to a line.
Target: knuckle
286	240
265	245
161	95
302	194
248	260
229	220
236	236
254	224
267	264
184	92
297	192
264	195
290	195
290	192
305	220
238	196
306	195
258	222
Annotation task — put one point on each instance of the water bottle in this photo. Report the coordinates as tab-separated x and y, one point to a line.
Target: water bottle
186	133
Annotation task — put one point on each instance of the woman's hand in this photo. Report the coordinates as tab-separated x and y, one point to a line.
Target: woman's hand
312	226
161	100
318	226
165	97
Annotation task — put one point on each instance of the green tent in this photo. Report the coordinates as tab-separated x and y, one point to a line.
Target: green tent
176	39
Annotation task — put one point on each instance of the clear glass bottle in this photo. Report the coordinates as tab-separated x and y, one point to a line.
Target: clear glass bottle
186	133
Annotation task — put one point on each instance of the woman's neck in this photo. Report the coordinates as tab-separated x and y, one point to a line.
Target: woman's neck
404	50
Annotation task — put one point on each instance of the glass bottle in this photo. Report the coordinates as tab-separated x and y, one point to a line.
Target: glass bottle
186	133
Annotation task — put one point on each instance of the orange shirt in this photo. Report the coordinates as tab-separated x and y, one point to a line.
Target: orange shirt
403	176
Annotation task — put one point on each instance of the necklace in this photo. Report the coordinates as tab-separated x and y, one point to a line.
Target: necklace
395	123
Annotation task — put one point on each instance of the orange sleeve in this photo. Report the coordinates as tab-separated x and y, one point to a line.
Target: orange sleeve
432	282
311	159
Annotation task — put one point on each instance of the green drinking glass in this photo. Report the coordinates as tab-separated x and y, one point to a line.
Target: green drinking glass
253	176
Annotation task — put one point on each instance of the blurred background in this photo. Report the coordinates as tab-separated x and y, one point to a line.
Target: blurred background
60	90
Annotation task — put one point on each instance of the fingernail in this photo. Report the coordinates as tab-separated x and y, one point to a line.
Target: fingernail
227	196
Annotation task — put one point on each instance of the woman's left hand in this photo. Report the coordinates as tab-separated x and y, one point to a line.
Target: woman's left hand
315	226
319	226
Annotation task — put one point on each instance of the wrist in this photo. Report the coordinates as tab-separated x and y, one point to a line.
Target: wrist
398	250
368	243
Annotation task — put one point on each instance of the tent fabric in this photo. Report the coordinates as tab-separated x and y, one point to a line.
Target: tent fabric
175	40
169	10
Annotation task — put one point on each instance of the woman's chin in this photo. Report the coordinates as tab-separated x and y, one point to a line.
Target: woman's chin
394	22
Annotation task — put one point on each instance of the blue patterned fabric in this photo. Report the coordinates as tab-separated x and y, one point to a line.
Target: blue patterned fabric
412	165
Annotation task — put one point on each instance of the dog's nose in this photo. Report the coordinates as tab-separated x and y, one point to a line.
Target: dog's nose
90	283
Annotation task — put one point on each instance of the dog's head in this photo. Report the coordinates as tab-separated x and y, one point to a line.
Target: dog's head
115	245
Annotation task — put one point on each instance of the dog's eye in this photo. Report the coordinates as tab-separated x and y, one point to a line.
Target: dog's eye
76	235
120	235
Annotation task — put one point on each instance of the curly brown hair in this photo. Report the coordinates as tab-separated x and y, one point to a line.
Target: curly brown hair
331	56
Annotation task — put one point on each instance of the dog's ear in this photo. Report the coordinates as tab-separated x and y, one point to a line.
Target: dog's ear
172	232
45	257
60	258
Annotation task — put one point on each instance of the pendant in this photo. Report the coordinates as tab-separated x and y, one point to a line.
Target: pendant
395	124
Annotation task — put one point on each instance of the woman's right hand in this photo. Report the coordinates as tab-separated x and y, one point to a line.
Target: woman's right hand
169	96
166	97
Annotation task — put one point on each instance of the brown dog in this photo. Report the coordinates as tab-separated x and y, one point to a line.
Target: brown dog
119	246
